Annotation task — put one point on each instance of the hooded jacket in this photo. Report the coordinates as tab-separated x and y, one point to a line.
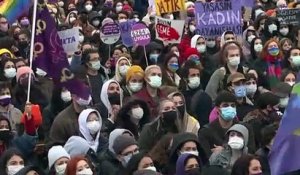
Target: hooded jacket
189	123
118	77
182	160
178	142
246	45
222	43
104	95
109	164
194	41
67	21
266	33
82	120
225	158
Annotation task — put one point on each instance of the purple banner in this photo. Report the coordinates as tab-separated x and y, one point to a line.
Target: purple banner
126	32
213	19
49	55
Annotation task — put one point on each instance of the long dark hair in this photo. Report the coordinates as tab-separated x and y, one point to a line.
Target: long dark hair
123	118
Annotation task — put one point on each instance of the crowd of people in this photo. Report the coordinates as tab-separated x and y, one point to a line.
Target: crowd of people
208	105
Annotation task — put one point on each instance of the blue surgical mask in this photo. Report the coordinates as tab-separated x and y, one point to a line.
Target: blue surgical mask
154	57
240	91
228	113
173	67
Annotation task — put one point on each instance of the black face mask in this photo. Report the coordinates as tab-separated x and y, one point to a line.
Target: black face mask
23	44
5	135
194	171
169	117
114	99
181	110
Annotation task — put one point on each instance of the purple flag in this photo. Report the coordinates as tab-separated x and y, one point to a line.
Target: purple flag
49	55
285	154
125	32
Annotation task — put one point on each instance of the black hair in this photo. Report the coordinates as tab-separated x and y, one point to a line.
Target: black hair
184	73
134	162
8	154
241	166
26	32
2	65
265	99
86	54
285	73
268	133
224	96
253	52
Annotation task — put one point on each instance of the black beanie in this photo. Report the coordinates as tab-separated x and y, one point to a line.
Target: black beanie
267	98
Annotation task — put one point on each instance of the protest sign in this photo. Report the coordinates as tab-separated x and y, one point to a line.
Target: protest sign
125	28
70	39
140	34
169	31
168	6
110	33
213	19
288	16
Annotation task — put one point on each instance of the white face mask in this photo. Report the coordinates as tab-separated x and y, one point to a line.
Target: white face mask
137	113
122	20
81	38
93	126
60	169
96	22
234	61
88	7
136	19
250	38
295	60
251	89
284	31
177	53
61	3
123	69
196	153
151	168
119	8
272	28
86	171
201	48
236	143
194	82
96	65
283	102
72	19
10	72
40	72
135	87
82	102
66	96
211	44
171	17
258	47
192	28
291	83
155	81
13	169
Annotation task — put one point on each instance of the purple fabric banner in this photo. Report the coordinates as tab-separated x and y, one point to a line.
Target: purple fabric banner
213	19
49	55
126	32
285	154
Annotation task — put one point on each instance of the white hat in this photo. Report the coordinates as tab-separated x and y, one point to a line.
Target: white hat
55	153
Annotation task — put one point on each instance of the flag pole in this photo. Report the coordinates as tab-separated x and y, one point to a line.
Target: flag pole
32	47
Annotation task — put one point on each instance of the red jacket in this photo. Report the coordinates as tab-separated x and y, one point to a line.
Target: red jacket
183	45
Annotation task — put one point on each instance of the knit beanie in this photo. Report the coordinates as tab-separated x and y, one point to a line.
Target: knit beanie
76	146
133	70
55	153
122	142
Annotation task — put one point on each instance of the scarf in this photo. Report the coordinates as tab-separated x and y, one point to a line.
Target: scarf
273	69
